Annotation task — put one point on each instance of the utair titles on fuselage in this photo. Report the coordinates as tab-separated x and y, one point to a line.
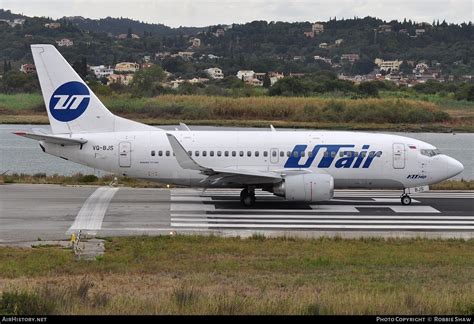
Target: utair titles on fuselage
362	158
304	166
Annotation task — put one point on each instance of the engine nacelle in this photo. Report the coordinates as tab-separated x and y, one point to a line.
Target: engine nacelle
307	187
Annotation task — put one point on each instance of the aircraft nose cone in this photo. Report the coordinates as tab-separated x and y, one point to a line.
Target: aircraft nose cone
454	167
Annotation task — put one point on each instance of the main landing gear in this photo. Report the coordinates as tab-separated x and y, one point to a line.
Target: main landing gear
405	199
247	197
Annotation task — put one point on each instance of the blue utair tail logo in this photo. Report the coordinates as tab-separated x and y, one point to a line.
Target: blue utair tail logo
69	101
349	158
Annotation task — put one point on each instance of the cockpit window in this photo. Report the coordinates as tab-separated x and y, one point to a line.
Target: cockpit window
430	153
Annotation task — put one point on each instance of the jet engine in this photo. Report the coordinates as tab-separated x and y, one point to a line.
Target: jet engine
308	187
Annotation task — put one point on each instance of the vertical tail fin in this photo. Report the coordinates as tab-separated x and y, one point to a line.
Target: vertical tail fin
71	105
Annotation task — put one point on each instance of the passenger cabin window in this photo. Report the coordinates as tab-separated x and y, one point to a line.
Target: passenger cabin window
333	154
430	153
310	153
379	153
241	153
226	153
152	153
196	153
190	153
211	153
288	153
160	153
257	153
282	154
234	153
167	153
219	153
249	153
204	153
265	153
326	154
302	153
274	153
295	154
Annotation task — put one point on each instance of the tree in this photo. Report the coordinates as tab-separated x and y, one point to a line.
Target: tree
290	87
267	83
129	33
368	89
146	82
80	66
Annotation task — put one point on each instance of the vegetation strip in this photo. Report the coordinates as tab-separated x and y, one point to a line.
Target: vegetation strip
214	275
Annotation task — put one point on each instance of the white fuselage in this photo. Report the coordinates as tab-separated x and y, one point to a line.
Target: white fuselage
353	159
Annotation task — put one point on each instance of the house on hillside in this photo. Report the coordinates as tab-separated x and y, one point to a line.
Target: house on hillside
124	67
214	73
52	25
101	71
245	75
352	58
317	28
65	42
123	79
388	65
28	68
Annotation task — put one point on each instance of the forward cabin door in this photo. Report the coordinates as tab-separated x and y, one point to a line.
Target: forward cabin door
398	156
125	157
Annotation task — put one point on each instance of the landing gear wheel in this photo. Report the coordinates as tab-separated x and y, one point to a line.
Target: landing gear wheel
406	200
247	198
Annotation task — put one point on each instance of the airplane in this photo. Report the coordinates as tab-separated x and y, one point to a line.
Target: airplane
301	166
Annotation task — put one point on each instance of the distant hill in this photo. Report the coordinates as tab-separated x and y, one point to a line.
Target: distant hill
259	45
117	26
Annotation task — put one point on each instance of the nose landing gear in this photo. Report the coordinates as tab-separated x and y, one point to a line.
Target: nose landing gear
247	197
406	200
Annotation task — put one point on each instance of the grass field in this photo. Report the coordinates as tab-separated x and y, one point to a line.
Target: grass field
393	113
212	275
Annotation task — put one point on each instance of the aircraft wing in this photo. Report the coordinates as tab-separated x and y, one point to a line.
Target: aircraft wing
52	138
221	175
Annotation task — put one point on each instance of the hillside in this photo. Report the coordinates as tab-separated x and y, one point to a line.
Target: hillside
259	45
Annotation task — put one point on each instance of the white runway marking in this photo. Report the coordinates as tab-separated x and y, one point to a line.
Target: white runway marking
90	217
191	209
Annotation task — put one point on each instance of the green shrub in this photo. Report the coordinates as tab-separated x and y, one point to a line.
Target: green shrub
24	303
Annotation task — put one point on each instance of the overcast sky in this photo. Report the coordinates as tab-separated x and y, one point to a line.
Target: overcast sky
176	13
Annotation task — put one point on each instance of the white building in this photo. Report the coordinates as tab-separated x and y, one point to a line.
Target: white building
323	59
186	55
274	77
317	28
323	45
196	42
65	42
245	75
388	65
101	71
214	73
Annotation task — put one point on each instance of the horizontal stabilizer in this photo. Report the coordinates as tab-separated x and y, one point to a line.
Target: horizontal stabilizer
52	138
